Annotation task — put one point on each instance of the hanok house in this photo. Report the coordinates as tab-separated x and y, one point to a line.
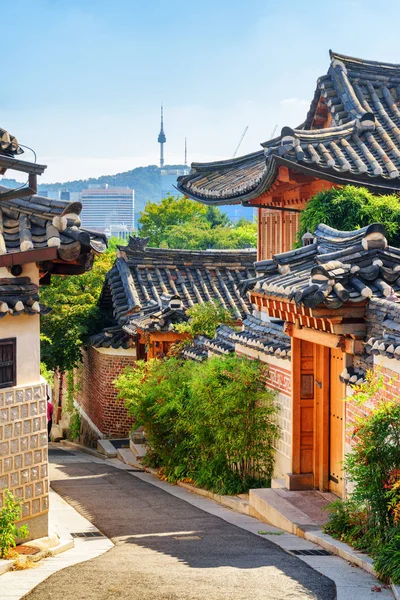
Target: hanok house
38	237
146	293
337	303
351	135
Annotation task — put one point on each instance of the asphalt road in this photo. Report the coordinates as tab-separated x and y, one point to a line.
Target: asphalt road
167	549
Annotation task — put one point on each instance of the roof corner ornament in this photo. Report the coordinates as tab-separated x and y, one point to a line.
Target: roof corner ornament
366	122
336	63
307	239
137	244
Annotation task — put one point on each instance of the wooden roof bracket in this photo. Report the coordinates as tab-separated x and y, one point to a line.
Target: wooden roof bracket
323	338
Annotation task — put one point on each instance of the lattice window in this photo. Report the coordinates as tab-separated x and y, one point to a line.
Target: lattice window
8	364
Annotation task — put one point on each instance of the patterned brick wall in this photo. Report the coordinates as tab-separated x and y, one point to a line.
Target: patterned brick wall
23	448
98	394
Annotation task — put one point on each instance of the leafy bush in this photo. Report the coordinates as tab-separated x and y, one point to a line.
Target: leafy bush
213	423
350	208
204	319
9	514
370	519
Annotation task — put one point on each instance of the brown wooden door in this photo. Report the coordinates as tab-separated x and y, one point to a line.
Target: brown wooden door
336	411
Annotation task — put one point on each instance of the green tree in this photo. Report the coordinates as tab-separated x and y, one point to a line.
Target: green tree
156	219
350	208
75	313
216	218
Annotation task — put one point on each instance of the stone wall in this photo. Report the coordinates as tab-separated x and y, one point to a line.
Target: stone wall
23	453
98	396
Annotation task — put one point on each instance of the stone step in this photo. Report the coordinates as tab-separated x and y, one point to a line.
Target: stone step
278	483
139	450
127	456
294	512
106	447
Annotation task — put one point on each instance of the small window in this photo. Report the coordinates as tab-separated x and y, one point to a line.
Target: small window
8	363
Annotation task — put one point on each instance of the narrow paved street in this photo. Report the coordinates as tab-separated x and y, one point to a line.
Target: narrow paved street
167	549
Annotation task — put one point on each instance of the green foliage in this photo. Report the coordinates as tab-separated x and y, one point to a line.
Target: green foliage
75	314
350	208
212	423
387	561
9	514
204	319
181	223
46	373
74	426
370	519
157	218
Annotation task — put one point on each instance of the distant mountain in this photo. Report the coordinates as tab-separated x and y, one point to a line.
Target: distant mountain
148	183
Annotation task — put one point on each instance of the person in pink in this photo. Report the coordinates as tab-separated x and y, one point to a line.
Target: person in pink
50	409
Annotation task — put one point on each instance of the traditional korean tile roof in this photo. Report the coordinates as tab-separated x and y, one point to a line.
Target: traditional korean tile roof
267	338
340	267
386	338
18	295
146	285
36	222
111	337
361	145
9	145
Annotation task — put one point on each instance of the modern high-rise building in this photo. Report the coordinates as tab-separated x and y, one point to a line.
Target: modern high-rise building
109	210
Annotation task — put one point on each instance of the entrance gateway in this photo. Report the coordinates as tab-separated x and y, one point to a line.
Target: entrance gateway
318	418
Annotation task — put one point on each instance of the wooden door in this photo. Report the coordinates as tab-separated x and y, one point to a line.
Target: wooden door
336	421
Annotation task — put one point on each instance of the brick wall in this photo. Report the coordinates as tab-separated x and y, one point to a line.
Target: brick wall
23	449
98	394
391	391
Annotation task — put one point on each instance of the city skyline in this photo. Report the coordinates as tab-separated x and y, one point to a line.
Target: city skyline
91	104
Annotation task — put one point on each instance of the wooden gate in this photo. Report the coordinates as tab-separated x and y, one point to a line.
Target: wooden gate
336	422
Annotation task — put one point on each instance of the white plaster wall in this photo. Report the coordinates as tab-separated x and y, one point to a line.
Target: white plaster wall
387	363
117	351
26	330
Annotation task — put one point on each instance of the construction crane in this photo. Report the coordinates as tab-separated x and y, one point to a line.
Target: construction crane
240	141
273	131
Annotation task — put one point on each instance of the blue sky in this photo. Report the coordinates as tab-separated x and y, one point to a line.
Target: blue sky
83	79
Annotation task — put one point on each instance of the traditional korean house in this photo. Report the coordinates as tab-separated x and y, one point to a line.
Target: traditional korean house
336	304
146	293
351	135
38	237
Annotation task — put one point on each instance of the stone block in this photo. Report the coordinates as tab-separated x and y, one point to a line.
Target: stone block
4	415
36	424
1	400
28	394
24	476
28	459
35	506
14	446
28	492
17	429
4	482
34	441
19	396
14	479
4	448
14	413
33	409
7	464
18	461
9	397
23	444
27	426
24	411
39	488
37	456
8	431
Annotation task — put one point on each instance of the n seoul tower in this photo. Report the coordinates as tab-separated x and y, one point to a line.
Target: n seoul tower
162	139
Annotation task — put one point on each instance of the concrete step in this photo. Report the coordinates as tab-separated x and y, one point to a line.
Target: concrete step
139	450
294	512
278	483
127	456
106	447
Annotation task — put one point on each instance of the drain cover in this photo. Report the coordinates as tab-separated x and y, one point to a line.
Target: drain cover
87	534
311	552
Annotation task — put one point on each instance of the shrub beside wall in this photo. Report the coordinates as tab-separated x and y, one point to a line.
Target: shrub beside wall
212	423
